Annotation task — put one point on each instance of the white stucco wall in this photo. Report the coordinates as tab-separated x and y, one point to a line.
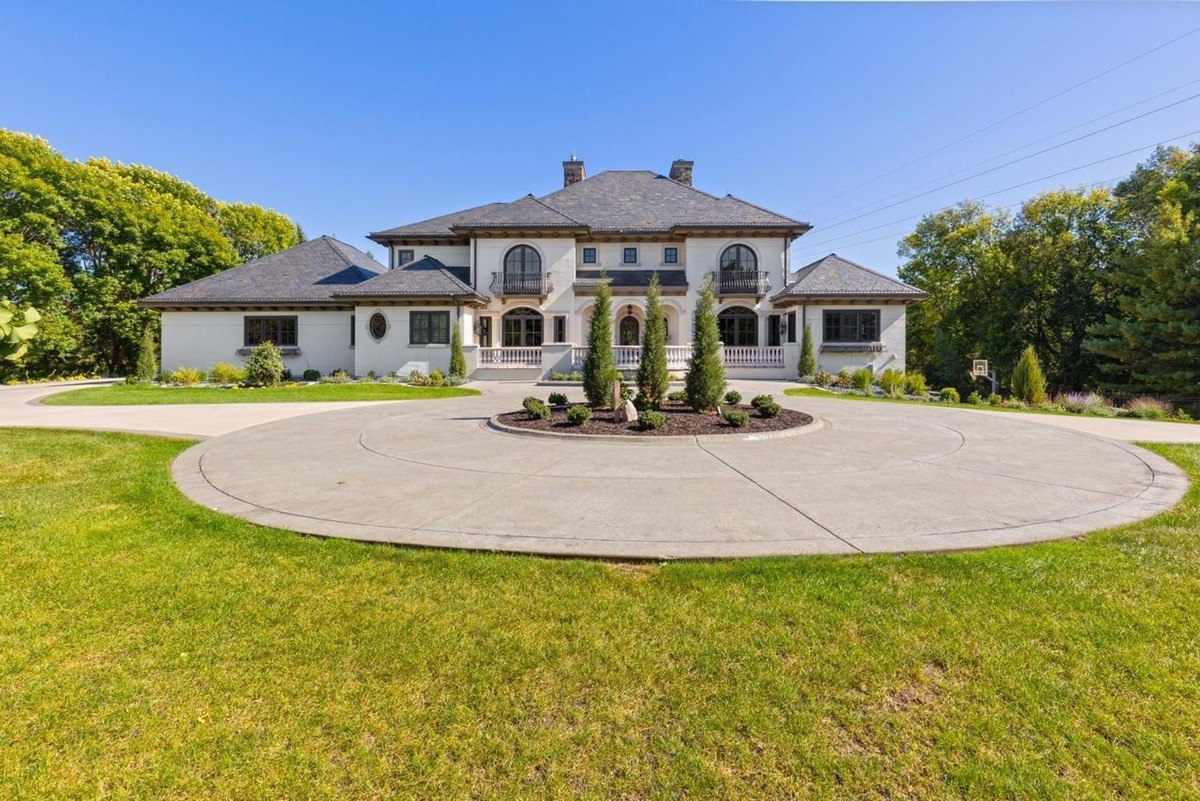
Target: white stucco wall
892	322
449	255
394	352
200	339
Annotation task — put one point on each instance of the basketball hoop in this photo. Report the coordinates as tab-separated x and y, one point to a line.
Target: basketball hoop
979	368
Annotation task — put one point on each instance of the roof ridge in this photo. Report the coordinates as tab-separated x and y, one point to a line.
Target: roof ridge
547	206
874	272
764	208
329	240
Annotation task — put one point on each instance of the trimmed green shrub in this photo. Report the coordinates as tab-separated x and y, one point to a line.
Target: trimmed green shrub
678	396
914	384
762	400
579	415
558	399
769	409
808	361
1028	381
994	399
187	376
733	396
823	378
558	376
312	375
226	373
949	395
891	381
653	379
536	408
436	378
147	363
264	367
650	419
975	399
598	369
458	359
736	417
705	385
862	379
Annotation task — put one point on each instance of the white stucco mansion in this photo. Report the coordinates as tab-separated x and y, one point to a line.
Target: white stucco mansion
521	277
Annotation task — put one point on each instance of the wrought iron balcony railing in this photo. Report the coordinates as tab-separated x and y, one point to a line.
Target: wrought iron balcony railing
743	282
535	285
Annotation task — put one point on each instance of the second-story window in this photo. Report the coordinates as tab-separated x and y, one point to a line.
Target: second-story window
404	257
670	255
589	255
630	256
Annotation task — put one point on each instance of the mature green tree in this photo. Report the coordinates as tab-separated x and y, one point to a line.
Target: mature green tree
84	241
705	384
653	378
599	371
808	359
1151	342
17	327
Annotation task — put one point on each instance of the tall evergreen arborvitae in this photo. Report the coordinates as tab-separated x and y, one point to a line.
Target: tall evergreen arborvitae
147	361
458	360
599	371
808	360
653	378
1028	382
706	374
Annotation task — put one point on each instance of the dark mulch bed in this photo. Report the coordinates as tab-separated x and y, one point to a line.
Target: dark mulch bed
681	421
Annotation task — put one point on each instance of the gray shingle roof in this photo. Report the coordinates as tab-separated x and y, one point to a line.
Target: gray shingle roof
833	276
308	273
632	278
426	277
611	201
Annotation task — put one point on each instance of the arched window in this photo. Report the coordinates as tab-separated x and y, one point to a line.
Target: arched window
522	328
522	260
738	326
630	330
739	258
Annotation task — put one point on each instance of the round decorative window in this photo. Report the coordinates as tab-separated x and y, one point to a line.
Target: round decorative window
377	325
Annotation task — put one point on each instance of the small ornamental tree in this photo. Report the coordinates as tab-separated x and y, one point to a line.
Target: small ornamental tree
1028	381
264	367
808	360
458	360
17	328
147	361
653	378
599	371
706	375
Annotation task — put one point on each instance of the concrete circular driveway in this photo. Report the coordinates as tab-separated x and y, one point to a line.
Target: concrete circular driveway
874	478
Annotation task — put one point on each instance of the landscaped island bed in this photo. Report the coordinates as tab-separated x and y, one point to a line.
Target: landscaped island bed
679	418
153	395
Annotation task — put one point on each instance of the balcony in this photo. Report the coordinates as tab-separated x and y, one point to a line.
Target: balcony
526	285
747	283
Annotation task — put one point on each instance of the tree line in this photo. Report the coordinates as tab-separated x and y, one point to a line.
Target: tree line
83	241
1104	285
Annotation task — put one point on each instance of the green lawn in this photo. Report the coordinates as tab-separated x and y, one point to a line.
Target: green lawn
151	647
138	395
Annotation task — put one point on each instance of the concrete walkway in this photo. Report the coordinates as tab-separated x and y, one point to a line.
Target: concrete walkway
875	477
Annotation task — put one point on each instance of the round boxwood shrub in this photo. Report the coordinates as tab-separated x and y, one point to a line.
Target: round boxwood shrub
578	415
558	399
736	417
768	409
733	396
651	419
994	399
949	395
312	375
760	400
536	408
975	399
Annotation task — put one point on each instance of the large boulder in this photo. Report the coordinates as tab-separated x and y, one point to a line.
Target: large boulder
626	413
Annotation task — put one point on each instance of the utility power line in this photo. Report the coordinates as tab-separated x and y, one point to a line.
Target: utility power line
1012	162
1009	117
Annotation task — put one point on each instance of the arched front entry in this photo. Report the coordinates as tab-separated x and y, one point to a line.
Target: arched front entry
629	330
521	328
738	326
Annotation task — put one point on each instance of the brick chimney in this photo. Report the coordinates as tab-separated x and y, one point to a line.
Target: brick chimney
681	171
572	171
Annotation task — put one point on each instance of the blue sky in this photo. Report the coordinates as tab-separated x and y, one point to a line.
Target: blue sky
352	117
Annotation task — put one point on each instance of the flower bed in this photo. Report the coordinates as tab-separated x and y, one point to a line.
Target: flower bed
679	420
